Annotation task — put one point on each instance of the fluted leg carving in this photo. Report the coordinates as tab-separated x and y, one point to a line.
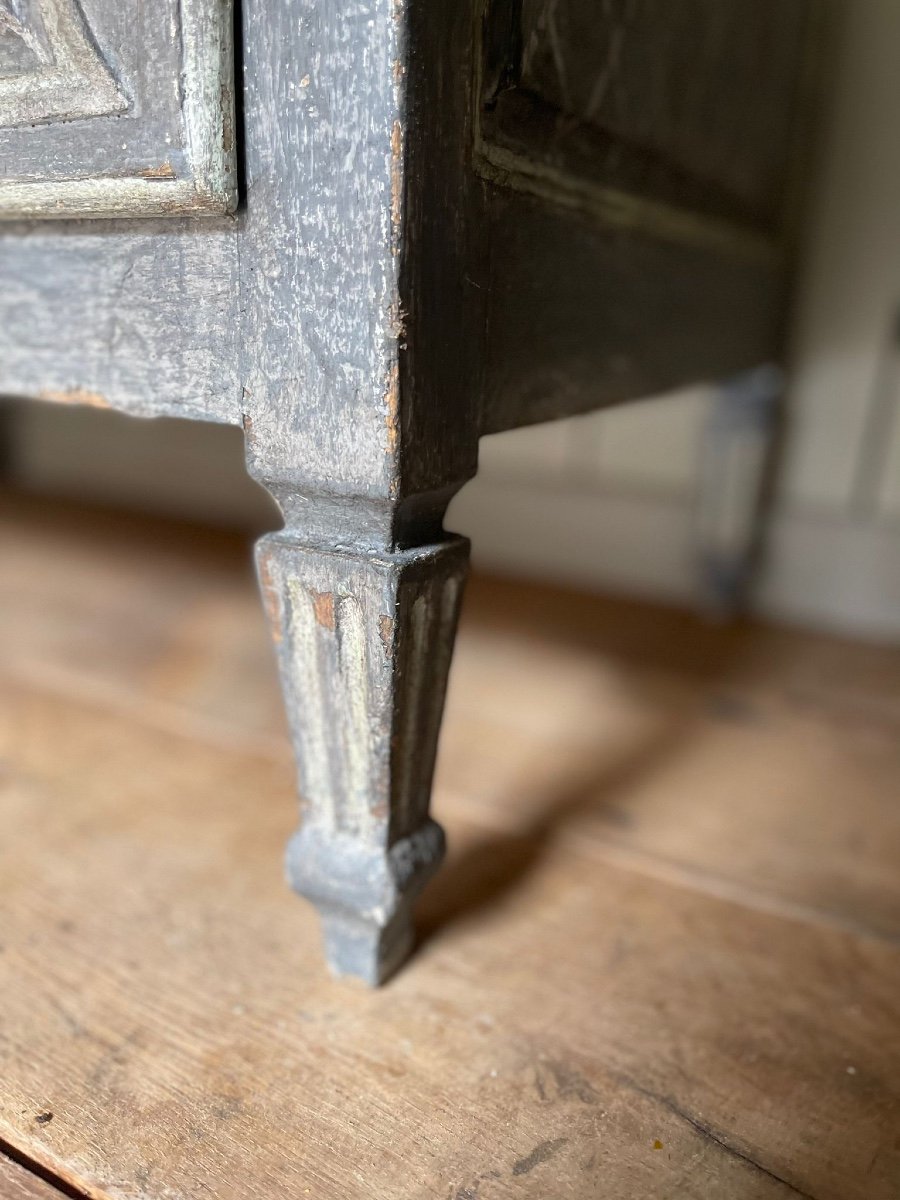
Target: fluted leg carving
364	642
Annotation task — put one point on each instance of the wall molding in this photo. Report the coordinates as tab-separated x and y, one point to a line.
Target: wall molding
831	572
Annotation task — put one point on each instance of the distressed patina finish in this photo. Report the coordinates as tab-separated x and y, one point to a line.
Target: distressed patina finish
455	217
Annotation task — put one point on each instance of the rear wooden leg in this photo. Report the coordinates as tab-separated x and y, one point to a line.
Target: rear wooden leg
364	641
738	458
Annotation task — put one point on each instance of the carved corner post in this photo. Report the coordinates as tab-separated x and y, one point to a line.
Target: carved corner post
361	418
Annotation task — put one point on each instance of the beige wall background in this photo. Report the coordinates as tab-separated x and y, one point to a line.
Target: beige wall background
608	501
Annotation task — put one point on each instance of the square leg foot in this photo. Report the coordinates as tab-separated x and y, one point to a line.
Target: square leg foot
370	952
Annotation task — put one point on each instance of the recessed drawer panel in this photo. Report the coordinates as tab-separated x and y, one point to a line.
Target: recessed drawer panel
116	108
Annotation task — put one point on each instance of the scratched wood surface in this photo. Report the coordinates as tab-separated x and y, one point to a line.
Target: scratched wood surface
663	958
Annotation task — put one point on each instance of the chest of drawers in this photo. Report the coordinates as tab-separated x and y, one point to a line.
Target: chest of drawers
369	233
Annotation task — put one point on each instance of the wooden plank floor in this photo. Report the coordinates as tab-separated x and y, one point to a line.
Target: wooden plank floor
663	959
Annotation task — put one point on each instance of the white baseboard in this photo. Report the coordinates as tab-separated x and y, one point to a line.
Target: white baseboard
829	572
825	570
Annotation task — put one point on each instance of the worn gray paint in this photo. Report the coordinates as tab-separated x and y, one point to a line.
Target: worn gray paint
374	305
321	245
133	316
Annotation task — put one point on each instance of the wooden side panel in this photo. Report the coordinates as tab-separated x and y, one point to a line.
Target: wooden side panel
376	292
583	316
640	204
662	88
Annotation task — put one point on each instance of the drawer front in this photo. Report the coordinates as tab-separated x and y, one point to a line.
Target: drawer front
116	108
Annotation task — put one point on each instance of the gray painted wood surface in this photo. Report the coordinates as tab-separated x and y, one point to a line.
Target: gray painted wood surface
642	209
652	99
384	294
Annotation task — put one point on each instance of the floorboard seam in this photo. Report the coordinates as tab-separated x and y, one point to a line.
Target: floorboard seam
711	1134
69	1188
649	865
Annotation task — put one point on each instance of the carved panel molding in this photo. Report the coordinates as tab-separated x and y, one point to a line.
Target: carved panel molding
116	108
49	68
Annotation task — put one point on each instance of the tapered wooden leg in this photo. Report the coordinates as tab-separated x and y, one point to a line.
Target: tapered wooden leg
739	452
364	642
